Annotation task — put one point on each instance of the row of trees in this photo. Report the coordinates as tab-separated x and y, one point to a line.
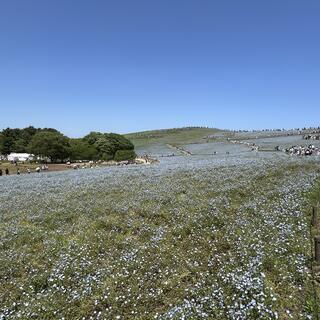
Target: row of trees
17	140
52	144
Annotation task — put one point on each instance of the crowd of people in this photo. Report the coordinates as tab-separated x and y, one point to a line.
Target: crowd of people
251	145
6	171
303	150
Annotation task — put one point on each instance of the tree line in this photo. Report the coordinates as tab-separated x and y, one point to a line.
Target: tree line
52	144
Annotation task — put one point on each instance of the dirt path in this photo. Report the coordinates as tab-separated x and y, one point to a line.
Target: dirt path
32	166
180	149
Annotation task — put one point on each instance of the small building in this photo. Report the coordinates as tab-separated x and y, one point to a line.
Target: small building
20	156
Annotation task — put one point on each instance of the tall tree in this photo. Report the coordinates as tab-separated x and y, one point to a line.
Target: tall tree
52	145
80	149
108	144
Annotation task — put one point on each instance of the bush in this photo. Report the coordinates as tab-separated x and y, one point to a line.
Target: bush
122	155
107	144
80	149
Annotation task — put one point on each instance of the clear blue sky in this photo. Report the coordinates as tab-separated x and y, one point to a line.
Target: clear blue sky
131	65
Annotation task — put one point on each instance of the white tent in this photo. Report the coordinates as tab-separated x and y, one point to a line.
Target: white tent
20	156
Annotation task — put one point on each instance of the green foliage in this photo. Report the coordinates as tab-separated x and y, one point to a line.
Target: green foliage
122	155
80	149
92	137
7	145
105	148
107	144
53	145
120	141
19	145
50	143
17	140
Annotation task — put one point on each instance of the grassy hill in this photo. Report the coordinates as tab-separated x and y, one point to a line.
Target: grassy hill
171	136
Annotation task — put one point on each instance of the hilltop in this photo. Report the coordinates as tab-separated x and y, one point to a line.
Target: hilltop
171	136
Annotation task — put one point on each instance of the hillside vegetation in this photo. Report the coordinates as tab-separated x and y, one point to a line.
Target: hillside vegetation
171	136
51	144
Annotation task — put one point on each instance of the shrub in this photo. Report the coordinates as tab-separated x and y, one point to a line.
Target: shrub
122	155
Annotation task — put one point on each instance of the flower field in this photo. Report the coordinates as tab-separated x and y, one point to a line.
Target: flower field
200	237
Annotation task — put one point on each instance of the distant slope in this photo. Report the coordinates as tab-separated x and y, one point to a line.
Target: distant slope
170	136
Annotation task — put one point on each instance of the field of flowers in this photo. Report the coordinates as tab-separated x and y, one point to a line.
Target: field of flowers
283	142
198	237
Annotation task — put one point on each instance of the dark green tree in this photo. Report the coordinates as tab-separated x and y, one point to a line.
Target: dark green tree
109	143
17	140
105	148
80	149
7	145
1	143
8	139
92	137
122	155
20	145
52	145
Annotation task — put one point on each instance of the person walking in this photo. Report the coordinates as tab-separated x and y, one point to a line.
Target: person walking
18	171
7	171
0	172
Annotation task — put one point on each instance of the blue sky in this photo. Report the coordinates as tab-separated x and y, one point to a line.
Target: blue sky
127	65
